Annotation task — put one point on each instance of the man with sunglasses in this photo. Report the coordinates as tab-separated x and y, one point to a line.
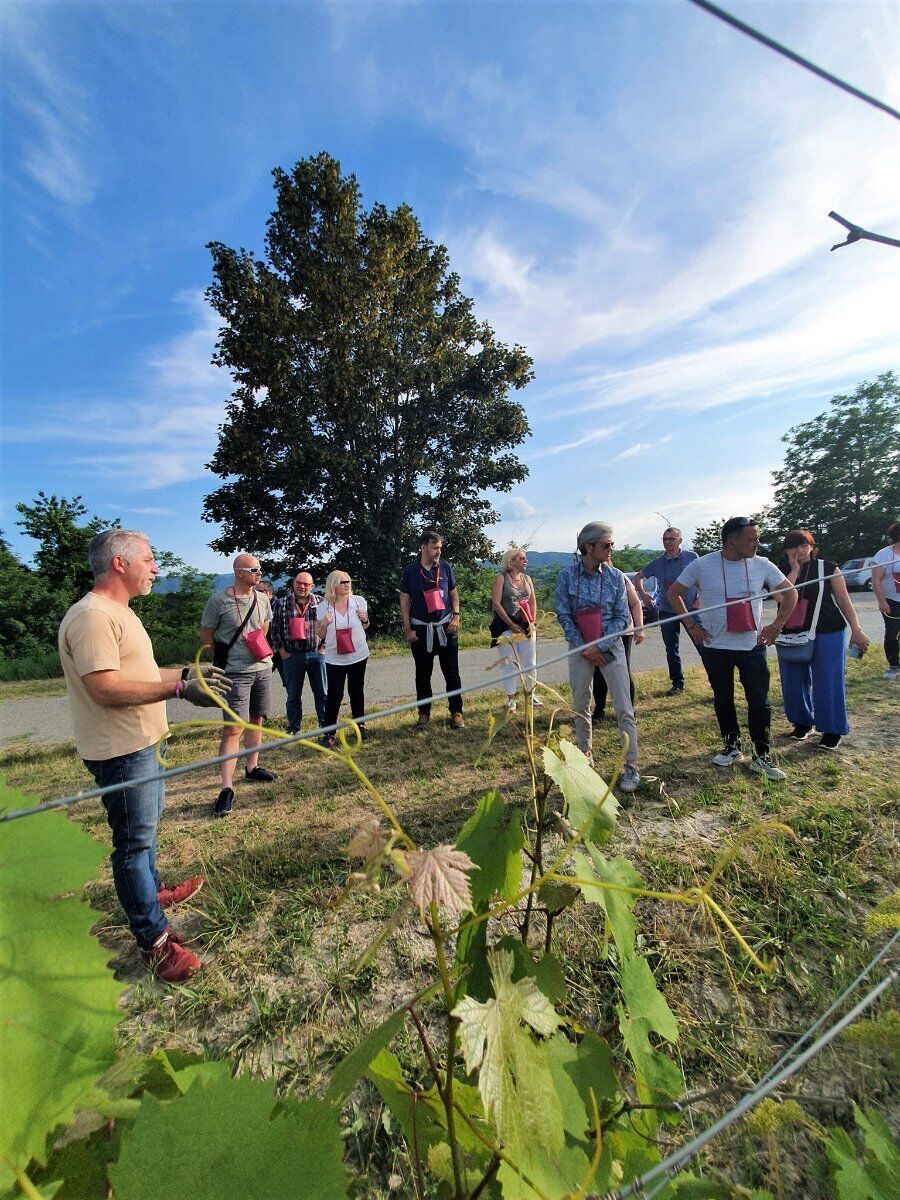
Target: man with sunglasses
228	618
429	609
733	637
591	603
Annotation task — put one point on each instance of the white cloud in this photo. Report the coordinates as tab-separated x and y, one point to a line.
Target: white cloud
640	448
516	508
592	438
171	417
61	149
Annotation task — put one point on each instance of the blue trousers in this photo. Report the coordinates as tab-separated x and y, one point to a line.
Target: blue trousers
814	692
303	664
133	815
670	636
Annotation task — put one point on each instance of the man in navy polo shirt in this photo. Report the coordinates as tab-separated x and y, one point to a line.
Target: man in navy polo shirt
429	606
665	570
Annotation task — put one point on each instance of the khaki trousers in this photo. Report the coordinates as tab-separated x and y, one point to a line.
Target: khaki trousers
615	672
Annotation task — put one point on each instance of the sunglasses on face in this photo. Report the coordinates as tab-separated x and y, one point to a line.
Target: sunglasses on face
251	570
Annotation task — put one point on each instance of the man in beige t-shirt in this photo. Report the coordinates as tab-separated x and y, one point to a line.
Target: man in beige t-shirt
118	696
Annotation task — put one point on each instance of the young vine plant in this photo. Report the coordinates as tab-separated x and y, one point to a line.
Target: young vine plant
517	1099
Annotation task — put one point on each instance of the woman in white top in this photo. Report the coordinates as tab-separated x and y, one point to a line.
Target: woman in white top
515	610
342	621
886	586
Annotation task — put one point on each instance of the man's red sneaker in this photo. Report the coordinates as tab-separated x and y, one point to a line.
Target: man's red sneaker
170	960
170	896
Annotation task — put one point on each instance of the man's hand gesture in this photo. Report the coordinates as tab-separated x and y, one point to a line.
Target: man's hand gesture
214	678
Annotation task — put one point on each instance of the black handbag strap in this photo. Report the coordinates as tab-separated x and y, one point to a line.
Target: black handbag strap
240	628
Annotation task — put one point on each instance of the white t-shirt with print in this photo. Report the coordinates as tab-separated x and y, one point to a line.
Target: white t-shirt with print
713	575
887	559
348	620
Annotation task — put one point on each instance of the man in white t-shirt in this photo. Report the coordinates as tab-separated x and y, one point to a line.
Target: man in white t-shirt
118	698
733	636
886	586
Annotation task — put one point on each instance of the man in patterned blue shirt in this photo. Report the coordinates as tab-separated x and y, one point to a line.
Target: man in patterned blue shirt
591	603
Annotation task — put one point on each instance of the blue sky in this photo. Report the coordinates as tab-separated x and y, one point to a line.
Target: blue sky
631	190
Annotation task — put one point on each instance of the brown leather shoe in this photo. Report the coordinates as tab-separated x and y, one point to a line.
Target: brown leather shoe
457	722
423	722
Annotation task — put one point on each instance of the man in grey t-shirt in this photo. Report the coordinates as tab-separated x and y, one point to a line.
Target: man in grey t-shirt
733	635
250	676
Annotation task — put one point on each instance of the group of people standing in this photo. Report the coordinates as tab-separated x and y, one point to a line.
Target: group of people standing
118	693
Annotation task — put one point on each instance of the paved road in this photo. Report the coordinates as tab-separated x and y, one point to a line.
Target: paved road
46	720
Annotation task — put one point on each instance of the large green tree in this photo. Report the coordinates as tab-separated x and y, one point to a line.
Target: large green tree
61	557
841	475
369	399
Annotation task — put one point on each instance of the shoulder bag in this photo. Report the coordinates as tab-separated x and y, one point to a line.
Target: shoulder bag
799	647
221	650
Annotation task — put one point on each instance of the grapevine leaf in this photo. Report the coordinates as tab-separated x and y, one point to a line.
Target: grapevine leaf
225	1130
496	722
431	1118
880	1143
561	1174
583	790
546	971
58	997
495	847
514	1076
351	1068
644	1000
368	842
578	1069
875	1177
471	960
646	1011
439	877
617	905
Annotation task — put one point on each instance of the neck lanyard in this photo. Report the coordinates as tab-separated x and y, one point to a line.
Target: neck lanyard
522	587
426	575
301	612
724	582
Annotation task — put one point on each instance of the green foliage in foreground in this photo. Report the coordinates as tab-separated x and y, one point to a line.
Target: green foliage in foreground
518	1099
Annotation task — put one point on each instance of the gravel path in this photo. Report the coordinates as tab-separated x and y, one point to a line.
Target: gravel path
45	720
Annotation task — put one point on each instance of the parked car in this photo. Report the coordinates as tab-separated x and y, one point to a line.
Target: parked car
857	574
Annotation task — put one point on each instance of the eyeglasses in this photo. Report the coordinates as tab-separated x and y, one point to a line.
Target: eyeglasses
605	545
251	570
343	581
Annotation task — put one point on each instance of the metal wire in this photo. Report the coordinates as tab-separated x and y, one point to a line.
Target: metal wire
742	27
202	764
663	1172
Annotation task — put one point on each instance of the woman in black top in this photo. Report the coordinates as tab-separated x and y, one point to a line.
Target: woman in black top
813	691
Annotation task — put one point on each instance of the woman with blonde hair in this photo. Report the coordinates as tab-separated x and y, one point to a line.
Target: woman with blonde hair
341	622
515	611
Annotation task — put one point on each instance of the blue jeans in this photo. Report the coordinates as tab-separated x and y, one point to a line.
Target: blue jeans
814	692
303	663
133	815
670	636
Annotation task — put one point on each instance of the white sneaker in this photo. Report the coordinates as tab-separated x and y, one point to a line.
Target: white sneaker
536	701
892	673
728	756
630	779
511	705
762	765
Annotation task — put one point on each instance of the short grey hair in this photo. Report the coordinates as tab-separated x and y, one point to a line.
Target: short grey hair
673	529
111	543
594	531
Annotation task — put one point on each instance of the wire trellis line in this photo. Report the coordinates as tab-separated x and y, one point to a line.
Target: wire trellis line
408	706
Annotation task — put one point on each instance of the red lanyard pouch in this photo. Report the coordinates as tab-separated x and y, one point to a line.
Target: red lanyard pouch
739	617
590	620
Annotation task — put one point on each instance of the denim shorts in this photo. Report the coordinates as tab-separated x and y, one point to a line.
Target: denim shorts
250	694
